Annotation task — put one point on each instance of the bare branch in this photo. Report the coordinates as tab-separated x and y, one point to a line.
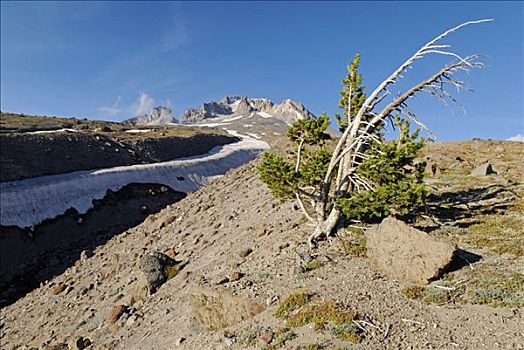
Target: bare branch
304	210
371	101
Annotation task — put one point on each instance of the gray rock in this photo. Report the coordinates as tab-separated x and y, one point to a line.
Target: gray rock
483	170
86	254
158	116
287	111
153	266
407	254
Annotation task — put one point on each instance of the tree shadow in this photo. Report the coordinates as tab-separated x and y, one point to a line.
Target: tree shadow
459	208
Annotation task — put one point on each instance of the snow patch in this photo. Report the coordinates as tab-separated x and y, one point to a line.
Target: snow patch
28	202
233	118
254	135
138	131
264	115
52	131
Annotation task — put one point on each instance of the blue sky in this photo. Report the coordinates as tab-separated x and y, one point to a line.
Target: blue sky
110	60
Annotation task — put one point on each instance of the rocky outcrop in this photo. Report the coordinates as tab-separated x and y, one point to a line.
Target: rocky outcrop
483	170
404	253
158	116
288	110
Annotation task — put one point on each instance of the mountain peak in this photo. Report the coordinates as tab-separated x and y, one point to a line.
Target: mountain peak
288	110
159	115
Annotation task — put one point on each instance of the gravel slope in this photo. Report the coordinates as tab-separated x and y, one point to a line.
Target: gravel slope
210	230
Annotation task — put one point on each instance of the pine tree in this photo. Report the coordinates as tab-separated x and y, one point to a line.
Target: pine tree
364	177
352	82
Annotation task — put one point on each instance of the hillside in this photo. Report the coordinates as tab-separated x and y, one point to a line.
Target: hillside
36	146
241	253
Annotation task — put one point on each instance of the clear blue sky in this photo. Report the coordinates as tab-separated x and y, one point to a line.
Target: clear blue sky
106	60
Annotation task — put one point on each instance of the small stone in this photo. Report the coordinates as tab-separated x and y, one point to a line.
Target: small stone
131	320
235	276
266	337
59	288
245	252
223	280
116	312
171	252
86	254
79	343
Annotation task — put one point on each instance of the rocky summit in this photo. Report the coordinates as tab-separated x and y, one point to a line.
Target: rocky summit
231	106
160	115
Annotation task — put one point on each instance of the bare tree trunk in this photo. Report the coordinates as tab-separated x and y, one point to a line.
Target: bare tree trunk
325	227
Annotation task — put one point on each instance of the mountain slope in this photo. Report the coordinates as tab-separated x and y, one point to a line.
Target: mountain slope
237	239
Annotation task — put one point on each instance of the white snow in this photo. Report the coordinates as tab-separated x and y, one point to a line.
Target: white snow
234	105
248	125
52	131
137	131
264	115
230	119
25	203
210	125
254	135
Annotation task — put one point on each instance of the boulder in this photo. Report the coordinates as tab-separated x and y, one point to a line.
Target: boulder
483	170
404	253
154	268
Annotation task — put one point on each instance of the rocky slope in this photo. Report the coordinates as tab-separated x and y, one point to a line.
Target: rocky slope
232	106
238	254
158	116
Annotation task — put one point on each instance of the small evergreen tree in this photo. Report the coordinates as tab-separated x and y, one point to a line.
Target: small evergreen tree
364	177
390	167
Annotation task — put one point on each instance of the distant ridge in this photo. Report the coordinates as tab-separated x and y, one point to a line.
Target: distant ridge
231	106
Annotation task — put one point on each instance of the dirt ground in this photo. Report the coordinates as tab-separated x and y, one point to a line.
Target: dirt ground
237	243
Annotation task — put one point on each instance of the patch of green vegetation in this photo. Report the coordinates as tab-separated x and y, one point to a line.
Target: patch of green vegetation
292	303
248	336
414	292
354	244
283	335
498	290
435	295
313	346
498	233
171	271
319	313
346	332
298	310
483	287
313	265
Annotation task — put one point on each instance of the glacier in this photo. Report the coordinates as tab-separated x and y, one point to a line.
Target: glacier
26	203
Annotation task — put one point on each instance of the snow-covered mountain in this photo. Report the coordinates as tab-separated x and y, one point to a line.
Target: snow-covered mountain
158	116
245	107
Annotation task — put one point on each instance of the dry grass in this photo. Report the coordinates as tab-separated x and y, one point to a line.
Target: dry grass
217	309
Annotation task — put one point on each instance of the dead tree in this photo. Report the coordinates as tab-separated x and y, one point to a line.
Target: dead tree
341	177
